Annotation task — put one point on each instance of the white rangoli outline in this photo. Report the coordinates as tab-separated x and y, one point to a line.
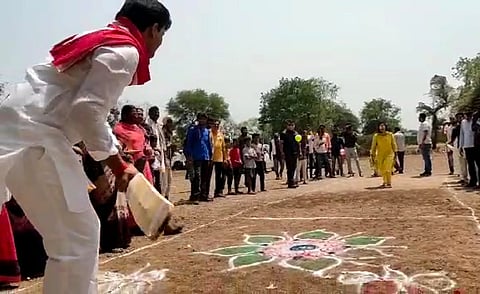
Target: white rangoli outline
402	283
312	245
138	282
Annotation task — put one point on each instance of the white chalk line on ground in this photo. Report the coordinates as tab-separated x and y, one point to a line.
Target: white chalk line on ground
357	218
225	219
473	215
179	235
195	229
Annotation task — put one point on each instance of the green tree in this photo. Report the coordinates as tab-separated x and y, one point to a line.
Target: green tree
340	116
443	96
188	103
468	71
252	124
303	101
376	111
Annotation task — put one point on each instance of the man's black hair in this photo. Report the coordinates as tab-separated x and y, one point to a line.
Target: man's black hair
145	13
202	115
153	108
423	115
126	111
396	129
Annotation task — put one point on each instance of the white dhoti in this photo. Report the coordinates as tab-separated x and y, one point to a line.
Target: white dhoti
462	164
166	178
39	122
71	239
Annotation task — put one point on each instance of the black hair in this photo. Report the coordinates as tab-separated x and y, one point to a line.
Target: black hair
202	115
423	115
397	129
153	108
382	123
145	13
126	111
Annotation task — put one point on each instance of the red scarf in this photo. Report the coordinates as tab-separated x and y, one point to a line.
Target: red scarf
122	32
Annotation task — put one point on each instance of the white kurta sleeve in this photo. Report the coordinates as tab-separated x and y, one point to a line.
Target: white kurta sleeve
112	70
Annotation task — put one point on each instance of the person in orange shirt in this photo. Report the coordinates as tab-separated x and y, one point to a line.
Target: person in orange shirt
220	158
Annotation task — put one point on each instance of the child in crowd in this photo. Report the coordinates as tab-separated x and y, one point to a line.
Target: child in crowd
249	156
156	163
234	171
301	172
259	163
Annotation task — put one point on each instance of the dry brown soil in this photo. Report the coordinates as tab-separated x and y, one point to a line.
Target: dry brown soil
431	223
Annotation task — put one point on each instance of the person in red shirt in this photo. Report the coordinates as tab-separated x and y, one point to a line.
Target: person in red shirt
236	165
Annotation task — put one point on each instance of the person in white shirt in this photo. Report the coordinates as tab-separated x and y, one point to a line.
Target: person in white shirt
458	154
249	156
321	147
467	145
424	140
159	149
277	156
400	152
447	130
64	101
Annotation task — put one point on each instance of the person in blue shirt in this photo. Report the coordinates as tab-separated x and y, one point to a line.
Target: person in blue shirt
198	152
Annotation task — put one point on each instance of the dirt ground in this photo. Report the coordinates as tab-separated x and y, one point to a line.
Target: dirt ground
424	229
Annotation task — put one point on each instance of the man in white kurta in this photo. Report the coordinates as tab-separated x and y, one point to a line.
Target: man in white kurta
39	167
44	117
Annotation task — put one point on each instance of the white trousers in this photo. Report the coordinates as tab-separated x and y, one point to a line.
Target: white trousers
462	164
301	169
351	153
71	239
166	181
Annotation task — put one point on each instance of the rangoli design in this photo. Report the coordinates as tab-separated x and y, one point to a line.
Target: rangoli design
396	282
319	252
138	282
316	251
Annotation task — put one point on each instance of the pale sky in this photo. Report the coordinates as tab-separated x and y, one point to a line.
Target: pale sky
369	48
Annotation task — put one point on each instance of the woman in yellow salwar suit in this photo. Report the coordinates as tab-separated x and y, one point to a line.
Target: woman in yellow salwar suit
383	153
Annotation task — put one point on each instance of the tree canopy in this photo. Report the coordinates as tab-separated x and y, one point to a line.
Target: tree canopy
308	102
468	71
188	103
442	97
376	111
